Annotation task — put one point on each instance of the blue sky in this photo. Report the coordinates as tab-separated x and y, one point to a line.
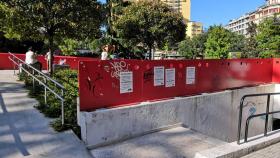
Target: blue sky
211	12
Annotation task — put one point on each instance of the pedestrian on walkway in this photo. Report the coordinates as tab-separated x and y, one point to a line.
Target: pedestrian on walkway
31	59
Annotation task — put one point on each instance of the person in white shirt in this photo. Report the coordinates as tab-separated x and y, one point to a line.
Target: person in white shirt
48	58
30	59
104	54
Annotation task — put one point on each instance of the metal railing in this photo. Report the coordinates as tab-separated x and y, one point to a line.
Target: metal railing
266	114
35	74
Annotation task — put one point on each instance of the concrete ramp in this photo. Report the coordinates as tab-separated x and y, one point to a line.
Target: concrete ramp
25	132
178	142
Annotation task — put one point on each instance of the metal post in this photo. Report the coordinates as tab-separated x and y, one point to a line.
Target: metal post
33	81
246	130
45	91
240	120
14	66
62	108
266	116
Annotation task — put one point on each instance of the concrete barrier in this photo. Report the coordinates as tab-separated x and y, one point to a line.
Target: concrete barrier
213	114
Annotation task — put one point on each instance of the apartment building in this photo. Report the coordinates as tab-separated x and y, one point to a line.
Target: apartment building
182	6
194	29
241	24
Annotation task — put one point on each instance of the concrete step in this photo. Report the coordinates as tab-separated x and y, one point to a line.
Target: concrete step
177	142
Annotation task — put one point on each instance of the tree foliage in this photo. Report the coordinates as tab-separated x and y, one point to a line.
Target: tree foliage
219	42
40	19
186	48
150	24
193	48
268	37
237	42
114	9
250	49
50	20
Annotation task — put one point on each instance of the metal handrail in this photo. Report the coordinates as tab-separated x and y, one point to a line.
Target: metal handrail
19	63
254	116
33	68
266	114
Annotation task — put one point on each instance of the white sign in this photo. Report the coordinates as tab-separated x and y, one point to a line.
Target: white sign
158	76
190	75
126	82
170	77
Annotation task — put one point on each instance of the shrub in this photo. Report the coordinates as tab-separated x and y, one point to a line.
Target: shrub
68	78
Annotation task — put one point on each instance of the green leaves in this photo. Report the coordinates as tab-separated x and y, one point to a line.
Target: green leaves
150	24
268	37
186	48
219	42
41	19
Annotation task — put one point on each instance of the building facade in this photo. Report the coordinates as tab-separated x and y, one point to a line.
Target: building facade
194	29
182	6
241	24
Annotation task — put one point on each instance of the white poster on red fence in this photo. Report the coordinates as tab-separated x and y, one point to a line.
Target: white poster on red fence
190	75
170	77
126	82
158	76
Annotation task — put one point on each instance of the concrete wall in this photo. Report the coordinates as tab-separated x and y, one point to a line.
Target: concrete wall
214	114
276	105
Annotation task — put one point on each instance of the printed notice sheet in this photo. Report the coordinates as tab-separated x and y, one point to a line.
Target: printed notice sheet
190	75
170	77
126	82
158	76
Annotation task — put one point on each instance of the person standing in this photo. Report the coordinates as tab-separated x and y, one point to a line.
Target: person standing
30	59
104	54
48	59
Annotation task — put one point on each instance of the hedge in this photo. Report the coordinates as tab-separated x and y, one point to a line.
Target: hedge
68	78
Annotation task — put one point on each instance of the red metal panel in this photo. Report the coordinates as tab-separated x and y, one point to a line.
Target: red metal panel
73	62
99	83
210	75
276	70
216	75
149	91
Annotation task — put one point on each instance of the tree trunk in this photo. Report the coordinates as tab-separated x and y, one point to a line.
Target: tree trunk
150	52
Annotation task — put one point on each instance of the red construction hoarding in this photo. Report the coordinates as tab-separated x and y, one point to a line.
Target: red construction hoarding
73	62
111	83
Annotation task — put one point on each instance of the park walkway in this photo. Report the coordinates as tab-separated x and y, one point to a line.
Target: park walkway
24	132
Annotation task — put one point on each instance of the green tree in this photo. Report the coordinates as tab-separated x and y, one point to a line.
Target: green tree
199	44
268	36
186	48
219	42
237	42
114	9
250	49
52	20
150	24
69	46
